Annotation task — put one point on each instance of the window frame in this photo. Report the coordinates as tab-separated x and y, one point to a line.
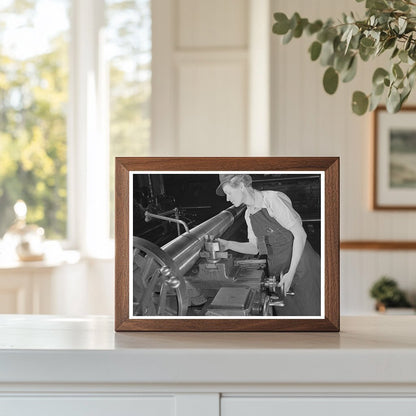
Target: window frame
87	133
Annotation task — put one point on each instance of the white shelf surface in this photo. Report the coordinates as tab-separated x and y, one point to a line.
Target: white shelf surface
53	349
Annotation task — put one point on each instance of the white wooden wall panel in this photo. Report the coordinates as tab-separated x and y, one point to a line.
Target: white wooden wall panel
210	121
200	77
307	122
212	24
360	269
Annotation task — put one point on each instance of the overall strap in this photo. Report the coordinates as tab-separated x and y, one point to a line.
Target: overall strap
272	239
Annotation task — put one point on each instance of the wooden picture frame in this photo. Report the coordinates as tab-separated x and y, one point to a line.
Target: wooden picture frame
394	159
133	254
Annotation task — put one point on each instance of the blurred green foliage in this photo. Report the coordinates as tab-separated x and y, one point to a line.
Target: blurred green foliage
386	291
33	97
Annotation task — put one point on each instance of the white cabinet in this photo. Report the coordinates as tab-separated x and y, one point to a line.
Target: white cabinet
80	366
323	406
88	406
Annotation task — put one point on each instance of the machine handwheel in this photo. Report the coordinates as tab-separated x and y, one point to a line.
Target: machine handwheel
158	287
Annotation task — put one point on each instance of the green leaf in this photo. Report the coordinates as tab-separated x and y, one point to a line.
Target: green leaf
327	53
315	50
322	36
378	89
314	27
389	43
404	95
412	52
355	41
366	53
332	33
395	52
288	37
402	24
374	102
298	30
382	19
348	35
359	103
412	70
403	56
394	26
379	75
330	80
337	42
294	20
341	61
393	101
400	5
408	42
376	4
281	27
351	71
367	42
411	78
397	71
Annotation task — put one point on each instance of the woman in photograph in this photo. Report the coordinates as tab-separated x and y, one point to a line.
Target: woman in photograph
275	229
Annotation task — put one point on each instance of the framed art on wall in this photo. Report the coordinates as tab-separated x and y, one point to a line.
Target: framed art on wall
394	183
227	244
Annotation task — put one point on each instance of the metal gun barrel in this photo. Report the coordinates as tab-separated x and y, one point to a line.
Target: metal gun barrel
184	249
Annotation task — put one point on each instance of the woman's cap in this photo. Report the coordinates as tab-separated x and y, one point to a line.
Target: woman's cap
224	179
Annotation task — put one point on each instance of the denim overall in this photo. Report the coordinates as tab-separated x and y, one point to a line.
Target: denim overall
277	242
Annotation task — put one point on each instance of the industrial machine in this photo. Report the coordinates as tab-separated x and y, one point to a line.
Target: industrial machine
192	276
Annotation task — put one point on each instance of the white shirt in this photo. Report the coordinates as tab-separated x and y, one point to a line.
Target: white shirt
279	207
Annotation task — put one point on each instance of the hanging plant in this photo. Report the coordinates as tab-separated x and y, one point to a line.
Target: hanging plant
388	27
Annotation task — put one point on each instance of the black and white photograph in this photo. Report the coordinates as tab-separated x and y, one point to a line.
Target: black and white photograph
226	244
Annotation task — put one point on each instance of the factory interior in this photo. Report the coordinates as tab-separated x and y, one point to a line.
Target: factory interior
181	216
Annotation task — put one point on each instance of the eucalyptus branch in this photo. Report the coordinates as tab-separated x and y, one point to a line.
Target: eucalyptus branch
388	25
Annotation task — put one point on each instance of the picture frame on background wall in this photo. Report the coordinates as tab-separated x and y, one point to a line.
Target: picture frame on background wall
227	244
394	159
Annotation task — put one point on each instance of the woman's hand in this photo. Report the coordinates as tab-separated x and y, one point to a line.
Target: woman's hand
286	282
224	244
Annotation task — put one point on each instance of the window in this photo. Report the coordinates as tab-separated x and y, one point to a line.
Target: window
75	86
129	46
33	98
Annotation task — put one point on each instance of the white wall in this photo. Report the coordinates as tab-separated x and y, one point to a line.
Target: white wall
215	69
308	122
200	77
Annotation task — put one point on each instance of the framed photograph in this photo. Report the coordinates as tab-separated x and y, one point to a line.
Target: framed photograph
227	244
394	159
